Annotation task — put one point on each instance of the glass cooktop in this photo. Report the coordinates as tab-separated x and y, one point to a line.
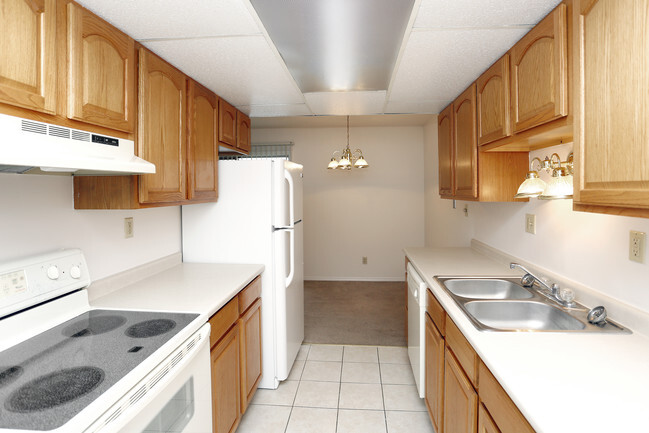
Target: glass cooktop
48	379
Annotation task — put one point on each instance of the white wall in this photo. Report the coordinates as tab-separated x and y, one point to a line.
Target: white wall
37	215
374	212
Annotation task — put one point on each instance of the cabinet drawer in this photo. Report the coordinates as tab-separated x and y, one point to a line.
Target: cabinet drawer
436	312
223	320
462	350
249	294
501	408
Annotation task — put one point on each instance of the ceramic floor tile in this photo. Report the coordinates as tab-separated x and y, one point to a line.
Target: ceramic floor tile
408	422
402	397
318	394
361	396
361	421
264	419
311	420
303	352
284	395
360	354
397	374
296	370
393	355
322	371
361	372
325	353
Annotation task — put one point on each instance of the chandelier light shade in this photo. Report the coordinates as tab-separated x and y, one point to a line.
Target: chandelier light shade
348	159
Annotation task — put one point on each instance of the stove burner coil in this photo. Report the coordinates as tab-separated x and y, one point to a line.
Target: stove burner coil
94	325
8	375
150	328
54	389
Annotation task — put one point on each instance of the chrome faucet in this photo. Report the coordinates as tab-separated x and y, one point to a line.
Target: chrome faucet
529	278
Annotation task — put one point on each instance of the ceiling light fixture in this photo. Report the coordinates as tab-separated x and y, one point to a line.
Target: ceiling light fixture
348	159
559	187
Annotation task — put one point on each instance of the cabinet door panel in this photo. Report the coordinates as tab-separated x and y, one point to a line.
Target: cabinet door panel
203	149
434	374
539	73
227	123
250	353
460	399
485	423
161	132
445	149
28	60
101	72
225	383
243	132
493	102
612	142
466	146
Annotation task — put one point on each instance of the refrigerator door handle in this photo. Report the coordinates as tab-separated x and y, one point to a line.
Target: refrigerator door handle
291	204
291	273
276	228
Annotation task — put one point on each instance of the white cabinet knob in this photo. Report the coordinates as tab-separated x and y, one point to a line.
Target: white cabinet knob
75	272
53	273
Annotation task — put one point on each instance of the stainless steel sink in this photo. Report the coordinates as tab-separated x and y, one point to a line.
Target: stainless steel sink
486	288
502	304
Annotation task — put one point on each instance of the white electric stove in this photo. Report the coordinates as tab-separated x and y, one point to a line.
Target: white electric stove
66	367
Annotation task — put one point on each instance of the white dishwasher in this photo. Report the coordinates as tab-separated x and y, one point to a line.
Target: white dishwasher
416	327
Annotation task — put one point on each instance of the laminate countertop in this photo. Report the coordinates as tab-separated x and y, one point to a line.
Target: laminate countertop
561	382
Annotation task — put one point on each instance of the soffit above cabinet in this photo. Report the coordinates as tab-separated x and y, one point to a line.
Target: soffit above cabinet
225	46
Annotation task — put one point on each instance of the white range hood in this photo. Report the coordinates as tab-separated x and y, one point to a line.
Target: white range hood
27	146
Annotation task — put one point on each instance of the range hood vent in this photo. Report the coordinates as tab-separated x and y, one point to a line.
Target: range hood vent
27	146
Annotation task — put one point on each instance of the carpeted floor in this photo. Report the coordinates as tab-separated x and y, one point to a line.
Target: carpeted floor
354	312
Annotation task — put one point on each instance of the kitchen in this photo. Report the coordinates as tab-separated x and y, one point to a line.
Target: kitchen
589	248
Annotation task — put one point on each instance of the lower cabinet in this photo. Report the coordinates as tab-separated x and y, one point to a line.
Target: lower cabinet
460	399
434	373
235	341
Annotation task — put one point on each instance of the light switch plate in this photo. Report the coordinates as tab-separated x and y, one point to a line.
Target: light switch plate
636	246
530	223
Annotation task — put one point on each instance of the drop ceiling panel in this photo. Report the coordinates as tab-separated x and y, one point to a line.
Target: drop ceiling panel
242	69
276	110
153	19
343	103
341	121
439	64
432	107
484	13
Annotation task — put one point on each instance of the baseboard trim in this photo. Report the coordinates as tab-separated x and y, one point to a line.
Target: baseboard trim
373	279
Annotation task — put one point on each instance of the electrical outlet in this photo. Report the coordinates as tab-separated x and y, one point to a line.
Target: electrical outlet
530	223
636	246
364	260
128	227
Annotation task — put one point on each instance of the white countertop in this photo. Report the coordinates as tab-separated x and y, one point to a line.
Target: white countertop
201	288
561	382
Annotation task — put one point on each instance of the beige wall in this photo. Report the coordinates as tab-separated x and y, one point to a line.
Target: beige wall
374	212
38	216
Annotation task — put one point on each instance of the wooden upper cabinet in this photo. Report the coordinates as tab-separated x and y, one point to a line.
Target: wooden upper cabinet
101	75
243	132
485	423
161	129
227	123
612	140
493	102
539	67
203	148
445	151
466	146
28	61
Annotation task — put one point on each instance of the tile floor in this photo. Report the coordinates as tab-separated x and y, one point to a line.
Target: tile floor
342	389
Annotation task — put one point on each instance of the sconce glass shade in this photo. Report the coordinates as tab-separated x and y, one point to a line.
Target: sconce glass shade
332	164
361	163
532	186
559	187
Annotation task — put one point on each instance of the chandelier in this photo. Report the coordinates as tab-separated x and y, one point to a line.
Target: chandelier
348	159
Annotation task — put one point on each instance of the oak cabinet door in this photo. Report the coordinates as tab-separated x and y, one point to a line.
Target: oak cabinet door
243	132
203	148
465	145
445	150
493	102
161	130
227	124
224	356
540	73
101	75
250	326
485	423
612	140
460	399
28	60
434	374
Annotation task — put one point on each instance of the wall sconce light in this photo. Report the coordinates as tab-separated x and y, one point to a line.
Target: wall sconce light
348	159
559	187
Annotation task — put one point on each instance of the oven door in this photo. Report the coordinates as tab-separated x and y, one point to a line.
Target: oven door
179	399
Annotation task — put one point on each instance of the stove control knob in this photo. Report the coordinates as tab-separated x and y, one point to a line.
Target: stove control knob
75	272
53	273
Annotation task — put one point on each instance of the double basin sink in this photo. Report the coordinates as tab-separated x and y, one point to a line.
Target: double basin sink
503	304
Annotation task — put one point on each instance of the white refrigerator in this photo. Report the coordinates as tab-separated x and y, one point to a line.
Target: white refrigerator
258	219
